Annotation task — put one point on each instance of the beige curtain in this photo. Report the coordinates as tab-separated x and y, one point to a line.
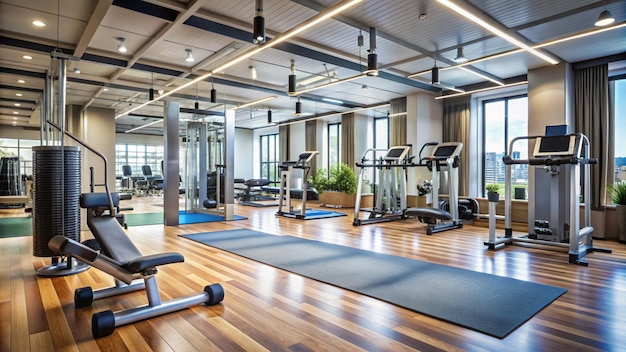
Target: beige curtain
591	109
456	128
347	139
310	130
397	124
283	142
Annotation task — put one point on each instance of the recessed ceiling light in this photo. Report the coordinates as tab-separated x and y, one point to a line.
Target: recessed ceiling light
15	113
17	104
18	94
105	89
189	57
38	23
27	57
15	118
121	46
21	81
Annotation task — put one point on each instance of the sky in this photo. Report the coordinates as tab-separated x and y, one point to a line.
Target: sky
519	111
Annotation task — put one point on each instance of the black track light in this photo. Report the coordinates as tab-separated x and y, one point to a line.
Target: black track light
298	107
435	75
292	79
372	58
259	24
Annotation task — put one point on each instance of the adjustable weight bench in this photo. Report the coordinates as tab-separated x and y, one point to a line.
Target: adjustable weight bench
132	271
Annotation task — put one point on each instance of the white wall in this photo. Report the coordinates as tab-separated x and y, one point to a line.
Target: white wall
424	124
548	104
244	155
18	133
363	136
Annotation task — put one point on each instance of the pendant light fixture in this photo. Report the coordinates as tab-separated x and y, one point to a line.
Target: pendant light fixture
259	24
151	90
460	58
372	58
196	105
605	18
213	92
298	107
434	74
292	79
269	116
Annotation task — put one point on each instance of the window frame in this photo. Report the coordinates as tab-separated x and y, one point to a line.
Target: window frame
484	103
268	138
337	127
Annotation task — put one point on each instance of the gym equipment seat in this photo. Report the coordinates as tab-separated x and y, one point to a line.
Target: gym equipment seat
132	271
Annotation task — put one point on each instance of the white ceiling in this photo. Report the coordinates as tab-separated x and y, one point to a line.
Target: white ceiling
157	32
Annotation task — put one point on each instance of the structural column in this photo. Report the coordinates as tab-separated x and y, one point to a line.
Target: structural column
171	169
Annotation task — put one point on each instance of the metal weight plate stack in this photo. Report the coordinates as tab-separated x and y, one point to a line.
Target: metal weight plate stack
56	192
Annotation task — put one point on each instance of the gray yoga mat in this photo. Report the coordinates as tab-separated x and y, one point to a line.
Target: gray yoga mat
491	304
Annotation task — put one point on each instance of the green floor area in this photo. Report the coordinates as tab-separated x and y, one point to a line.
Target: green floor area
14	227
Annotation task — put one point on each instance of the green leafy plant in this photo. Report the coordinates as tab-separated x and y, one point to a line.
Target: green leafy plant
617	192
341	178
492	188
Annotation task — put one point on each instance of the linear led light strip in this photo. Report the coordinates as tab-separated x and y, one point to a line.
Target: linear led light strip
259	101
537	46
336	113
144	126
320	17
481	90
364	74
496	31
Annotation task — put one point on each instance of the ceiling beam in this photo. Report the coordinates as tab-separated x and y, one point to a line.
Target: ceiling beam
362	26
101	9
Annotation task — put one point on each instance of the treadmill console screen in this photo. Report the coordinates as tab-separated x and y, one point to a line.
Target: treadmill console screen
397	153
445	151
555	145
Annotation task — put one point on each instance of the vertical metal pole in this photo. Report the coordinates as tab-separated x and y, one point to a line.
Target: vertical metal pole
453	189
171	164
203	151
229	162
61	117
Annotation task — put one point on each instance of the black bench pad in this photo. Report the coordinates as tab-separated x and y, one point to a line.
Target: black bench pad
140	264
98	200
432	213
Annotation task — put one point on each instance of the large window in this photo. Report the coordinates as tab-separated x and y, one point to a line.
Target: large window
12	182
137	155
334	144
21	148
619	108
505	119
269	157
381	132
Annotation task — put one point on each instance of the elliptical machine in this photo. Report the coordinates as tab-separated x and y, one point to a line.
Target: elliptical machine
444	155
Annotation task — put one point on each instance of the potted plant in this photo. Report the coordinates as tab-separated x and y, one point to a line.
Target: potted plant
617	193
337	187
492	192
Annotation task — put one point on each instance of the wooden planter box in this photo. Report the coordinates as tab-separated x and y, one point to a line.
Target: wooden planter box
337	199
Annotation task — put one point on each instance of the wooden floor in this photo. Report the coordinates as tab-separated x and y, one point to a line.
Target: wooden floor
267	309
